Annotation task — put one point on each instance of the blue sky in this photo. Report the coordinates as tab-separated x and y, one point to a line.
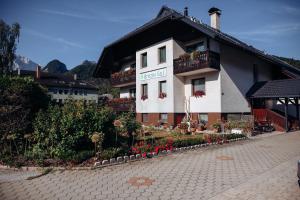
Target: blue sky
77	30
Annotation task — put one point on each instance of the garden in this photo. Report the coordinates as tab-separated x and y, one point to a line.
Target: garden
36	132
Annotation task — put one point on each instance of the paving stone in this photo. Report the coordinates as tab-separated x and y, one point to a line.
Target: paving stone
261	168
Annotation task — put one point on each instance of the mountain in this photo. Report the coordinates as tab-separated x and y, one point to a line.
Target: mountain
24	63
55	66
84	70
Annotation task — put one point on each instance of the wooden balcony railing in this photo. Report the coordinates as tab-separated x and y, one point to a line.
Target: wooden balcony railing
122	104
200	60
263	114
120	78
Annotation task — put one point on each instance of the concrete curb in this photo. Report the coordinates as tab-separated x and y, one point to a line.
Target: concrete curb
123	159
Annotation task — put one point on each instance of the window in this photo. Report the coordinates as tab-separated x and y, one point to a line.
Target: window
132	66
80	92
144	60
144	117
196	47
132	93
144	91
76	92
85	92
203	118
198	86
162	89
66	91
162	54
55	91
163	117
60	91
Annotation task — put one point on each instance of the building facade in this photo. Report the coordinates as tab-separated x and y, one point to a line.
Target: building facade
63	87
176	66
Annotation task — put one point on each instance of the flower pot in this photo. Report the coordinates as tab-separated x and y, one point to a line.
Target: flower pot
183	131
193	129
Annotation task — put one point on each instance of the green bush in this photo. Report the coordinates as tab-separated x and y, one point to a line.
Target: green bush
111	153
61	132
183	142
20	99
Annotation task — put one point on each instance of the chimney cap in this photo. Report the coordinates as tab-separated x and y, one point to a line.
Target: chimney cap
186	12
213	10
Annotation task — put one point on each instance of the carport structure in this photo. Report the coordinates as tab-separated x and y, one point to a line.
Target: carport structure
286	91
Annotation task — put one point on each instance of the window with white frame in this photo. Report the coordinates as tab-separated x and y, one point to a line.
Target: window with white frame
162	54
144	60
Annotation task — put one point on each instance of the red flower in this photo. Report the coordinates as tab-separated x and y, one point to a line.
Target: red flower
199	93
144	97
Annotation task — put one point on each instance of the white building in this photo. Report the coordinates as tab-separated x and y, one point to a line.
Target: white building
63	87
176	66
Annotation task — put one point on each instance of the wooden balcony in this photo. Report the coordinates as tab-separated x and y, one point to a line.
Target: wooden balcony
121	79
201	62
122	104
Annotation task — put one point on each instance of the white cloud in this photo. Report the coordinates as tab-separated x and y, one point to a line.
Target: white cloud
106	17
54	39
272	30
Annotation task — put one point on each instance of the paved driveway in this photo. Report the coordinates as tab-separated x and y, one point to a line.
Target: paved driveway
262	168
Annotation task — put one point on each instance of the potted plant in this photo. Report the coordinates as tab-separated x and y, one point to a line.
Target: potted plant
162	95
183	128
199	93
193	126
144	97
185	57
216	127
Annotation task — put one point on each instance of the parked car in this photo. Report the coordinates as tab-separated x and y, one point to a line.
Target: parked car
298	172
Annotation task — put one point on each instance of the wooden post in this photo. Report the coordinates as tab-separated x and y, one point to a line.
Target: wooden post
286	103
297	110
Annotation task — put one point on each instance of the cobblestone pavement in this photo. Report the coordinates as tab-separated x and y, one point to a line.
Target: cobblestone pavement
263	168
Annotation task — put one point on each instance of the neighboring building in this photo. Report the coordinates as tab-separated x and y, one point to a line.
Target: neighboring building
175	65
62	87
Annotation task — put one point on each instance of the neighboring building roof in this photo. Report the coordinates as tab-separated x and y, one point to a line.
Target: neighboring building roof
166	13
275	89
58	80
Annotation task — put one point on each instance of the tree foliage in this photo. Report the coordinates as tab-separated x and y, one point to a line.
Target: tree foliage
9	36
20	99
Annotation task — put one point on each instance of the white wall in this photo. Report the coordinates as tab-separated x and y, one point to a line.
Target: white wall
90	96
237	77
211	101
154	104
124	91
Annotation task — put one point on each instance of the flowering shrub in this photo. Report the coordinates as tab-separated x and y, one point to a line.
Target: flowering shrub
144	148
117	101
144	97
183	126
123	74
199	93
162	95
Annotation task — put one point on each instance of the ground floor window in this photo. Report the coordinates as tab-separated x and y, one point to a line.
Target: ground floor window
144	117
163	117
132	93
198	87
203	118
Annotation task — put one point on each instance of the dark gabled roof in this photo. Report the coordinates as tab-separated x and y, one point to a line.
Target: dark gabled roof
275	89
166	13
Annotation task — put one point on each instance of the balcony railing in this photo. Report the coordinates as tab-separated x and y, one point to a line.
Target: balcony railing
122	104
123	78
198	60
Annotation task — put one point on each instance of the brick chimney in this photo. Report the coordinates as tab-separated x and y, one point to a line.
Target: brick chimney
215	14
38	72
